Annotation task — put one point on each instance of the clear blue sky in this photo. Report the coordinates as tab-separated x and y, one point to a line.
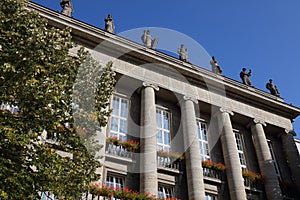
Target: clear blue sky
263	35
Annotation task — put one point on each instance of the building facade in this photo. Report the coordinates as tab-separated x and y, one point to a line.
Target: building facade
188	133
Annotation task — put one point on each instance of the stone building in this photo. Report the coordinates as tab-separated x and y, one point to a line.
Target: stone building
172	108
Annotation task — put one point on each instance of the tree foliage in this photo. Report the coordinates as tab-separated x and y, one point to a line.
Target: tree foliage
40	77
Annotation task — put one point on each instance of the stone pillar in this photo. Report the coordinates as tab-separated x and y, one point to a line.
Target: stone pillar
292	156
231	157
266	165
148	160
194	171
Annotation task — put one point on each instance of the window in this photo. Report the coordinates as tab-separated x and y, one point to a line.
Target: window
240	147
52	136
12	109
118	127
163	129
48	196
203	142
165	192
273	158
115	181
210	197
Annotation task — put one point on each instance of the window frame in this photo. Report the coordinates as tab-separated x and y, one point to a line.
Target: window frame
210	196
274	160
202	142
165	147
163	194
240	151
112	133
115	179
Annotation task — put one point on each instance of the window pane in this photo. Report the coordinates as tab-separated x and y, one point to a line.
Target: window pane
159	137
115	106
113	135
124	108
123	126
114	124
158	119
167	138
166	121
122	137
119	122
199	131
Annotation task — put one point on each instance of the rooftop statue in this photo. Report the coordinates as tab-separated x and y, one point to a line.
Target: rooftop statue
273	89
109	24
148	41
67	7
183	53
245	76
215	66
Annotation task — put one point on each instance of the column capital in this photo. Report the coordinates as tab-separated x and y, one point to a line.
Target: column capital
259	121
152	85
189	98
226	110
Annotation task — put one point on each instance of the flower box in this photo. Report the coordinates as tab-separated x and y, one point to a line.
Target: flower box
212	165
129	145
170	154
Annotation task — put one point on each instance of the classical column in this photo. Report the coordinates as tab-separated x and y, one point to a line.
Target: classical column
292	156
265	160
192	151
148	160
231	156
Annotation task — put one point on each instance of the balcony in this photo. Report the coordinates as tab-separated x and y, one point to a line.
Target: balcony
168	162
118	151
253	185
212	173
252	180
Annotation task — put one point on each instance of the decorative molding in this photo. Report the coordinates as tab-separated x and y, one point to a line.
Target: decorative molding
189	98
154	86
226	110
259	121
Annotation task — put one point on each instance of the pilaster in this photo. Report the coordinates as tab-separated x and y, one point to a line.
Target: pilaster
194	170
148	157
264	156
292	156
231	156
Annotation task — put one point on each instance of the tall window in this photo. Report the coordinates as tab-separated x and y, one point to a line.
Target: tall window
115	181
165	192
274	158
163	129
210	196
12	109
240	147
118	127
203	142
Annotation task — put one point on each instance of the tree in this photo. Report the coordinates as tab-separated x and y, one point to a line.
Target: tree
39	76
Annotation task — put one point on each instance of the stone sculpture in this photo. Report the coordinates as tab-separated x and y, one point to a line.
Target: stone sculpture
67	7
273	89
245	76
109	24
148	41
215	66
183	53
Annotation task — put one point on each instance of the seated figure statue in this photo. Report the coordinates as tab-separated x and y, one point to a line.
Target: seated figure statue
273	89
245	76
183	53
67	7
109	24
215	66
148	41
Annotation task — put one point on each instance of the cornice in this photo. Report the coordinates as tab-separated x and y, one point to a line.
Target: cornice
91	35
